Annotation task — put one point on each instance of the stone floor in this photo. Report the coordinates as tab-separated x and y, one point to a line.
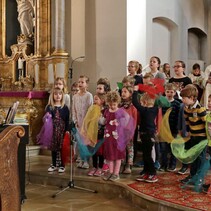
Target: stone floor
41	186
39	194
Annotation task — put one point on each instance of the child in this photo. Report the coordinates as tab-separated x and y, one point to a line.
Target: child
81	102
126	104
207	88
133	67
148	113
117	133
103	87
165	148
60	83
206	187
195	116
60	117
97	158
197	77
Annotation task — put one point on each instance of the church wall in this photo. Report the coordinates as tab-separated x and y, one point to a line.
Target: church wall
161	29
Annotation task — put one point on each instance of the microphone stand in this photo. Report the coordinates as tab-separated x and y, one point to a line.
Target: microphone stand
71	136
71	181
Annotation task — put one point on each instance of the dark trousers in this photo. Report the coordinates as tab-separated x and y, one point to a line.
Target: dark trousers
98	161
147	144
165	150
56	156
197	163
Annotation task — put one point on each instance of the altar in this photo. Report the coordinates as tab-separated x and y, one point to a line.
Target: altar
32	56
31	106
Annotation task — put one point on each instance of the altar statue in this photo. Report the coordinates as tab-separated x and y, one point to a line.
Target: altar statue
25	16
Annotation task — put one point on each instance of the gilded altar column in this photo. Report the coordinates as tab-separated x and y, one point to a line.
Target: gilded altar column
59	27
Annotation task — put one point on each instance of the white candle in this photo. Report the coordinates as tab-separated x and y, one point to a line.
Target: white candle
50	74
20	63
36	73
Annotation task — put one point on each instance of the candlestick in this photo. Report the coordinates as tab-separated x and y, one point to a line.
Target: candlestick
20	63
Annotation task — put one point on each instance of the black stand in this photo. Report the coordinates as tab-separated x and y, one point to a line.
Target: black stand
71	182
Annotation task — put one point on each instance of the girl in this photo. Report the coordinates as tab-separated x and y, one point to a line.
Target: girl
126	104
81	102
103	87
98	158
60	83
133	67
60	116
117	134
154	65
179	80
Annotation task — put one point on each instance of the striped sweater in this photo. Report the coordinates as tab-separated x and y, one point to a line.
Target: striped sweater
195	118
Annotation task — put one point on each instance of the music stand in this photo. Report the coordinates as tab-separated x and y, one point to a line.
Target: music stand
71	181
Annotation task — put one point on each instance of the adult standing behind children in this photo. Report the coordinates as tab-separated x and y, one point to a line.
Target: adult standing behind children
60	116
81	103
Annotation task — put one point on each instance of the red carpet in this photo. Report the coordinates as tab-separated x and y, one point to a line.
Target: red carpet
168	188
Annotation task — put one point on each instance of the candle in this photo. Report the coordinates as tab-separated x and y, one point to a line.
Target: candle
37	73
20	63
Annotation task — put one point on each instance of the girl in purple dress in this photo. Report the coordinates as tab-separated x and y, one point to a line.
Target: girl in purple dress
118	132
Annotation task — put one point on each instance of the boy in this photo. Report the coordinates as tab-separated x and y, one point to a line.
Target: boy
165	149
195	117
148	113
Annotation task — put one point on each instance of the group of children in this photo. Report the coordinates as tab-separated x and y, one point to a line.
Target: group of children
120	114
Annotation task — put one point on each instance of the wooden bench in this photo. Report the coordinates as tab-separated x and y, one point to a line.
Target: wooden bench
9	176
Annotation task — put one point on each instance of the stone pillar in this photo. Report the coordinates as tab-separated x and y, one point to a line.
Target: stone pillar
59	27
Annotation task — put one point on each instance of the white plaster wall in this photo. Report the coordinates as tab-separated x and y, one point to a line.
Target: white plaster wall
111	39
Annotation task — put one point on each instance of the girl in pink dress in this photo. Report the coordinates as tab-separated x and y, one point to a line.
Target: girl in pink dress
118	132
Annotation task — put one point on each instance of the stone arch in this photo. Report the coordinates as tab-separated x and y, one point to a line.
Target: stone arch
166	42
197	46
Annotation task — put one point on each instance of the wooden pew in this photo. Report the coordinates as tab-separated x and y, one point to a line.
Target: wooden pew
9	176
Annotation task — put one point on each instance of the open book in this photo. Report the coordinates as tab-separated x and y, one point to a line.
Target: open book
11	113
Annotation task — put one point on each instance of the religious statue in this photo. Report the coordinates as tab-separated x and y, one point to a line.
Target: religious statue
25	16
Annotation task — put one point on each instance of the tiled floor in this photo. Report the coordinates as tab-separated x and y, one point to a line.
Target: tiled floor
39	197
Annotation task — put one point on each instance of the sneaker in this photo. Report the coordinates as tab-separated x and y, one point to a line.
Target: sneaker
61	169
106	176
91	172
52	168
142	177
127	170
171	169
157	165
114	177
152	178
78	160
105	167
85	165
98	173
186	179
139	164
79	165
163	168
183	170
206	188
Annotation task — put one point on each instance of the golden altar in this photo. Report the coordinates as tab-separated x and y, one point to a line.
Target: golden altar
36	59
